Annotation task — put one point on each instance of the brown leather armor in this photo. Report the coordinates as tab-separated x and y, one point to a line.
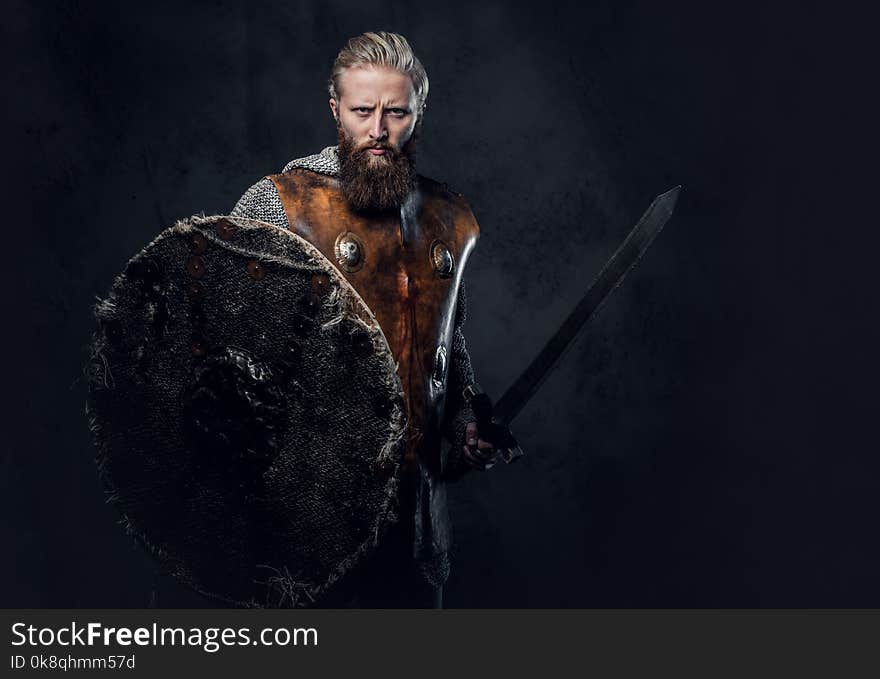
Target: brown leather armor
408	272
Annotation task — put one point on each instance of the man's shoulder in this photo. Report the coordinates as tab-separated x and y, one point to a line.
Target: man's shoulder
441	191
437	188
261	202
300	181
264	202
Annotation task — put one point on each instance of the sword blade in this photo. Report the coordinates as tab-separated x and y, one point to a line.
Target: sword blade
611	276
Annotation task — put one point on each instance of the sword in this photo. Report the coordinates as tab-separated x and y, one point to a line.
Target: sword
493	421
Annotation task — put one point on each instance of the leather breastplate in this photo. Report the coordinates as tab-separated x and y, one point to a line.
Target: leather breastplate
407	267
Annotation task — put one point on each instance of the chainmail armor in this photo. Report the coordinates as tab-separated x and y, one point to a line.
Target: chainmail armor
262	202
325	162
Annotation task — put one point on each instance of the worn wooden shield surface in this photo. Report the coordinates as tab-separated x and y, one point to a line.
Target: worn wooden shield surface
248	417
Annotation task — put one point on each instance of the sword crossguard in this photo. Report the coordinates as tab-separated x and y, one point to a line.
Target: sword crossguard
496	433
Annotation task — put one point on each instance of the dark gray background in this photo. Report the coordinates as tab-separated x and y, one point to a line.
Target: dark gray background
709	441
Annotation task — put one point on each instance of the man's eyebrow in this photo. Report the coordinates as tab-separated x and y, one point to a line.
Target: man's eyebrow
392	106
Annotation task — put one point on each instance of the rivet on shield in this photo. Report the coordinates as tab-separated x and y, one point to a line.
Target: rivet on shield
198	243
197	346
289	362
196	290
320	283
310	304
256	270
363	345
197	316
442	259
195	266
293	353
225	229
349	252
301	326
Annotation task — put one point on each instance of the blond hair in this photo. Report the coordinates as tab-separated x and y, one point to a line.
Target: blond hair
380	49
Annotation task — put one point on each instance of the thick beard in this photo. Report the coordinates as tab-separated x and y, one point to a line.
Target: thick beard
376	183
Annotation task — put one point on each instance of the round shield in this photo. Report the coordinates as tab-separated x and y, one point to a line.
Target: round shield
247	412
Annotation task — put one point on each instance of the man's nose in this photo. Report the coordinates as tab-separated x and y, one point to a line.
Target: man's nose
378	131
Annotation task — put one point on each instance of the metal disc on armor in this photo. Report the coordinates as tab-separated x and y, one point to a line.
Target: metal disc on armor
349	252
245	403
442	259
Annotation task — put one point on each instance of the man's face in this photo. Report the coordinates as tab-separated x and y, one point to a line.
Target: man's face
376	109
377	122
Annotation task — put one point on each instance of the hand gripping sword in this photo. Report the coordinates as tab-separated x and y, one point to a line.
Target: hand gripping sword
493	421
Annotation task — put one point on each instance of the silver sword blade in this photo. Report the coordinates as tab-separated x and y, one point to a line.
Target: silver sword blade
612	274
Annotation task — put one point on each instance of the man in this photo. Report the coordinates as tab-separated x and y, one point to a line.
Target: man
402	241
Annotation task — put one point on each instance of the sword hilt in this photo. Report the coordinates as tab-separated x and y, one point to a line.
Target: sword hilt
490	429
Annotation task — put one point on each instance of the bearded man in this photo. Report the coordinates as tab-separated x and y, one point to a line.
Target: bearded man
402	241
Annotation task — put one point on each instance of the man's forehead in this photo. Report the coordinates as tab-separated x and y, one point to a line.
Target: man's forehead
376	82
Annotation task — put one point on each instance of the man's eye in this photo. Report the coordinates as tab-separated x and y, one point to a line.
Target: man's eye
397	112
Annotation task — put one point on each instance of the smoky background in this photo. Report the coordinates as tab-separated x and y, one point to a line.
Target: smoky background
709	440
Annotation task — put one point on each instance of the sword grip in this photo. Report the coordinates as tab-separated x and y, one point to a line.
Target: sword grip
496	433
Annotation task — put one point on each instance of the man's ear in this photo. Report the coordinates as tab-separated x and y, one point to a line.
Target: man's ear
334	109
